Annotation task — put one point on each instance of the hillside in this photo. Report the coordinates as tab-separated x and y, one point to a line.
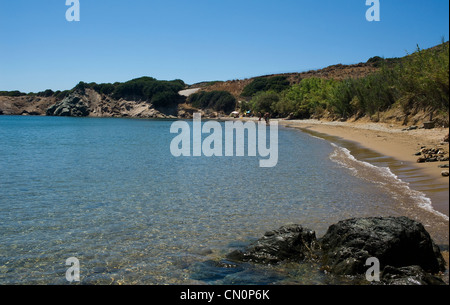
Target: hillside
337	72
409	90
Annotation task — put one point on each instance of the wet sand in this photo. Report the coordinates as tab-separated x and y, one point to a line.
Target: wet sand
392	141
397	148
400	146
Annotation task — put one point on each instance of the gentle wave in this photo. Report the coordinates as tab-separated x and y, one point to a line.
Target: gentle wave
382	176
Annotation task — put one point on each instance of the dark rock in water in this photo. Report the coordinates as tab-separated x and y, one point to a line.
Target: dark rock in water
100	270
394	241
410	275
289	243
402	246
70	106
445	174
211	271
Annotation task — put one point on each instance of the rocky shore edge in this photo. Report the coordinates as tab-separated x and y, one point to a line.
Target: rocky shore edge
90	103
406	253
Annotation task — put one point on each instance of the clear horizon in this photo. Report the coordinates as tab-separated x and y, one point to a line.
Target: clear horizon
202	40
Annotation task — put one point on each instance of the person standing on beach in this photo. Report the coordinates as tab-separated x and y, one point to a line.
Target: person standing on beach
267	118
260	116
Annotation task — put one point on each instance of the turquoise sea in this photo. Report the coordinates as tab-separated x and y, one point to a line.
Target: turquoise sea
110	193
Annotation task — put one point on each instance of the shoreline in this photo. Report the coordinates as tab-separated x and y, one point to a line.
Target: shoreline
391	141
401	146
386	139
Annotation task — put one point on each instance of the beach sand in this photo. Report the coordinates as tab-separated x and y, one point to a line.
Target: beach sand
401	146
391	140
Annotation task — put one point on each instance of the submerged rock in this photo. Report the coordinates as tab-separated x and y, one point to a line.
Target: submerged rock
289	243
410	275
394	241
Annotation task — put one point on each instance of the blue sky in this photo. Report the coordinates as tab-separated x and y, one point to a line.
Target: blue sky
200	40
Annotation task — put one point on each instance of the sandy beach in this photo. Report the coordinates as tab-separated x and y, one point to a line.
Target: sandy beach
401	145
393	141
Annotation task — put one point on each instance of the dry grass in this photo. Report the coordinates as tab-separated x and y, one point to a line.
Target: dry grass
337	72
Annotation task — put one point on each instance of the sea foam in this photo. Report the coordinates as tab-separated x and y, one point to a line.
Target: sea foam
385	178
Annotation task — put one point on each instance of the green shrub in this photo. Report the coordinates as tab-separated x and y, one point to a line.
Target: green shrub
341	99
46	93
216	100
104	88
424	79
166	99
309	97
265	101
275	83
159	93
15	93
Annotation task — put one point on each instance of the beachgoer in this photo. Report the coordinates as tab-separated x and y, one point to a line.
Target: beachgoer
267	118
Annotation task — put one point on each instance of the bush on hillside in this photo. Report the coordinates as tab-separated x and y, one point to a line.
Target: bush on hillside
216	100
276	84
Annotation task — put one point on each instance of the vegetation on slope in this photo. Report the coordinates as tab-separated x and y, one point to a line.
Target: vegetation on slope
216	100
417	82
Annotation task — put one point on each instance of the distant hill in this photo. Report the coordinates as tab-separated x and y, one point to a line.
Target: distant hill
338	72
406	90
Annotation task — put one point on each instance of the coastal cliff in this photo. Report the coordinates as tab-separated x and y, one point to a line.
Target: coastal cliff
89	104
143	97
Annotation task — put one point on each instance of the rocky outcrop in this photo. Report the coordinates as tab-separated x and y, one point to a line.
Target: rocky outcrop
405	250
91	103
394	241
289	243
73	106
25	105
432	155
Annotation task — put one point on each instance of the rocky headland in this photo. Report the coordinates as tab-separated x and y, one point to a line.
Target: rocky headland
93	104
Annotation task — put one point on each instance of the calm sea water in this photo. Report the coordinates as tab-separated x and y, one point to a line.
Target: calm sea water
109	192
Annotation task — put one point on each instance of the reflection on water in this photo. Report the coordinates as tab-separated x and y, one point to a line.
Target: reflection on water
108	192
